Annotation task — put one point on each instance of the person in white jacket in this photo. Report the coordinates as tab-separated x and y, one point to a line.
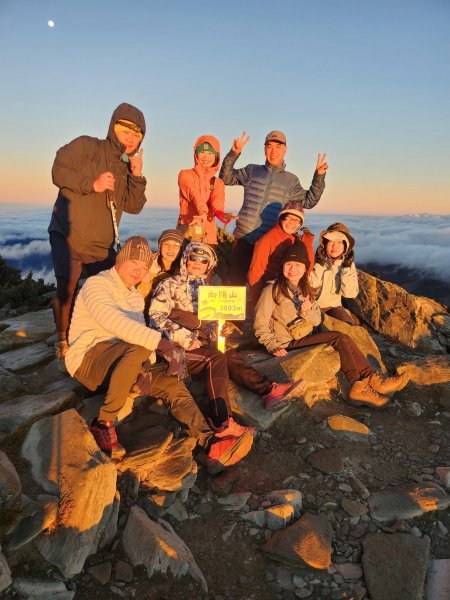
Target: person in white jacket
108	340
334	275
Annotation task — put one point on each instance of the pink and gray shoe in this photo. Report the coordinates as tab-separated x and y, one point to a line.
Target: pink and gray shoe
276	398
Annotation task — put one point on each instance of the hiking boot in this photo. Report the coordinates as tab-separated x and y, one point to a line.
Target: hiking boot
276	399
386	384
362	393
227	451
235	429
105	435
60	352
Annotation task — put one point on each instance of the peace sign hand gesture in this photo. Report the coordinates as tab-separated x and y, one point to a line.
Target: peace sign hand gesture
239	143
322	165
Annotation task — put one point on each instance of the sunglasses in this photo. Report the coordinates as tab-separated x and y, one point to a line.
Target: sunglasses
193	258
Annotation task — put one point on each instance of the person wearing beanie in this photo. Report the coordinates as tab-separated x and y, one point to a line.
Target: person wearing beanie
269	249
202	194
109	343
287	318
98	180
334	275
267	188
174	312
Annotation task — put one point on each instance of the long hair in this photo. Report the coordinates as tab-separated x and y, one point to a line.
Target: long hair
280	288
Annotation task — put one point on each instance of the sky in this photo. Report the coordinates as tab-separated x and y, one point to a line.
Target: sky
366	82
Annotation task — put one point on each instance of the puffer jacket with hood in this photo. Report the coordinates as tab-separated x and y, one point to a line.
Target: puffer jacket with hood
332	280
266	190
201	192
82	215
179	292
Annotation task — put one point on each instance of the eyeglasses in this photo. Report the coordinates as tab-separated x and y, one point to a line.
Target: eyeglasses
194	258
293	220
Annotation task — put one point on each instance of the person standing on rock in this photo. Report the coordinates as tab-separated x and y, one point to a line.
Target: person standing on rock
174	312
271	246
98	180
286	318
109	342
334	275
267	188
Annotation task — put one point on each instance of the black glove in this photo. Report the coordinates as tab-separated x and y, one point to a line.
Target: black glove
348	260
321	256
184	318
174	356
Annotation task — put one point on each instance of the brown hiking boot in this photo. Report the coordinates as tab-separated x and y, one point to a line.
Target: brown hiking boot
362	393
385	384
227	451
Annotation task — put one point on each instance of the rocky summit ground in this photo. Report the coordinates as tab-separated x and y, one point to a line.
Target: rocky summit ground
334	501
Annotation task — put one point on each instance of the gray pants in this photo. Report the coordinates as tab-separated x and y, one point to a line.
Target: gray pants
121	363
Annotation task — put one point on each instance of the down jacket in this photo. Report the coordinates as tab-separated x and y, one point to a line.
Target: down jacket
266	191
82	215
331	280
201	193
105	309
271	319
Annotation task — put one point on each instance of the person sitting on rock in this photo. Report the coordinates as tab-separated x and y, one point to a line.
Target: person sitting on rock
334	275
269	249
108	340
287	317
173	311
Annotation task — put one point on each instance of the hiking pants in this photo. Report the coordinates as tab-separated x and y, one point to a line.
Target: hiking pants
339	312
354	364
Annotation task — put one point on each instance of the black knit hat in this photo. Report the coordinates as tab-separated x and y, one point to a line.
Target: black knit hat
296	253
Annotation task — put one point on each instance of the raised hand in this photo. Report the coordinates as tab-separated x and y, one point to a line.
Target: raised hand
105	181
322	165
136	163
306	305
239	143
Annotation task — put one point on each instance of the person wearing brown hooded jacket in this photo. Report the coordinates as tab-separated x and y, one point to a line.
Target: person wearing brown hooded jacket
334	275
98	180
202	194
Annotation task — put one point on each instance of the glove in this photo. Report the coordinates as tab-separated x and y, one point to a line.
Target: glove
224	217
306	231
185	318
174	356
143	383
321	256
348	260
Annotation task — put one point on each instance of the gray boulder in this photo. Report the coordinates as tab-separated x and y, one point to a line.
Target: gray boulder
27	328
26	357
407	501
5	573
10	486
66	461
158	548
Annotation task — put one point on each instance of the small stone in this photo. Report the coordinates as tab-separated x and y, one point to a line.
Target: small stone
414	408
101	572
359	487
123	571
442	528
434	448
353	507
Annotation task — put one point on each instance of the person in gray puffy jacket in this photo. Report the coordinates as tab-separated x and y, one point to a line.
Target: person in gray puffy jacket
267	188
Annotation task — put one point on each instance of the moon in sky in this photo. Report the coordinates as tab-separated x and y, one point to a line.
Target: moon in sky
51	23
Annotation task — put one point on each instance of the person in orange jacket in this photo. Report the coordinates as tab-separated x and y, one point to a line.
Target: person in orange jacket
270	248
202	194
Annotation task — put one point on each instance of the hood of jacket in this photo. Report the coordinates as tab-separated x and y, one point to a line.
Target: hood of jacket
206	249
129	113
214	142
349	241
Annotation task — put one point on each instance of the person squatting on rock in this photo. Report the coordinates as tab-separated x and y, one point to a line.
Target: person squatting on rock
174	310
269	249
109	342
267	188
94	177
287	317
334	275
202	194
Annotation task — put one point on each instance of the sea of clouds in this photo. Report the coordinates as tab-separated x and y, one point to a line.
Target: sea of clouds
417	242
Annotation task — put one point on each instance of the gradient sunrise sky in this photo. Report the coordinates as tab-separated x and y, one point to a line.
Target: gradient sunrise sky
367	82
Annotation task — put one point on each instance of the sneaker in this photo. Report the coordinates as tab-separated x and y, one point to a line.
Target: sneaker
362	393
227	451
386	384
105	435
235	429
60	352
276	399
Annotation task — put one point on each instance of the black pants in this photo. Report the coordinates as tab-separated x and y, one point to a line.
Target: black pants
241	258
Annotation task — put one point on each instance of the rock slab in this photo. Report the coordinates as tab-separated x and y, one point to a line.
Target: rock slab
158	548
307	541
438	586
395	565
407	501
10	486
